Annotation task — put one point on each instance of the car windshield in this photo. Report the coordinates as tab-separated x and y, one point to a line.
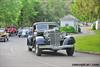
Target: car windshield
52	26
41	27
1	30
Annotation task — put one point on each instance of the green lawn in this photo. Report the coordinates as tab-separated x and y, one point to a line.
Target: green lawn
89	43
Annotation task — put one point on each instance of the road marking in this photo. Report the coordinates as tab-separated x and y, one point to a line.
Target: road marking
39	61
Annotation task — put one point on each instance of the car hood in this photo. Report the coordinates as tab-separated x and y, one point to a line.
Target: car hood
3	33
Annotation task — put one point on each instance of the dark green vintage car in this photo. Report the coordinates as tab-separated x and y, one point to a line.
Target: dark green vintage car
48	37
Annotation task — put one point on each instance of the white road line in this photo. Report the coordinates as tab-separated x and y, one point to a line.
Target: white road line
39	61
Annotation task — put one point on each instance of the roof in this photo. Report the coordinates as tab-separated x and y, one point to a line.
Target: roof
44	23
69	17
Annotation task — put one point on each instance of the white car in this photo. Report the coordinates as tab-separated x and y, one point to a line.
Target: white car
24	32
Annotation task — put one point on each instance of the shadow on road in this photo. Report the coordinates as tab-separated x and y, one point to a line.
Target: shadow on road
50	53
53	54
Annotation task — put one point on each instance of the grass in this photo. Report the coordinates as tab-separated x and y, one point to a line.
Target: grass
89	43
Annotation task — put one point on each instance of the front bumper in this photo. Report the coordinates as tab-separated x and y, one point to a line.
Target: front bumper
55	47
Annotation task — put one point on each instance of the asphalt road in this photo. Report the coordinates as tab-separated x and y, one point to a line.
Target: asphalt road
15	54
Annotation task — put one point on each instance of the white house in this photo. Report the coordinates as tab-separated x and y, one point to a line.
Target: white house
69	20
97	24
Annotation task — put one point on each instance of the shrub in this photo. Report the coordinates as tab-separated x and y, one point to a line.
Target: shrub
68	29
94	27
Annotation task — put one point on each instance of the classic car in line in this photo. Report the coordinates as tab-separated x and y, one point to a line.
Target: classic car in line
24	32
3	35
47	37
11	30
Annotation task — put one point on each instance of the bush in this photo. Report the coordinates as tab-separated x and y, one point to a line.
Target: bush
68	29
94	27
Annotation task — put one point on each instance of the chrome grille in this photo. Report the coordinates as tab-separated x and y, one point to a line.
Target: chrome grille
54	38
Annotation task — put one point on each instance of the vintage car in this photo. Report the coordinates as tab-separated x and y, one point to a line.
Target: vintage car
3	35
11	30
24	32
47	37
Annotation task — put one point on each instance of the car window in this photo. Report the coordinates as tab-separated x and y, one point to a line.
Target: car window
41	27
52	26
2	30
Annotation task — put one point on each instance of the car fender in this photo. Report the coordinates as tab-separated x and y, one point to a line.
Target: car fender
69	40
30	39
40	40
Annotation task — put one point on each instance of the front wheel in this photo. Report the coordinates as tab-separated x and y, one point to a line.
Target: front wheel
29	49
4	39
37	50
70	51
19	36
7	38
28	42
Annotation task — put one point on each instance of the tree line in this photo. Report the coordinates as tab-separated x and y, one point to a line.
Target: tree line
86	10
26	12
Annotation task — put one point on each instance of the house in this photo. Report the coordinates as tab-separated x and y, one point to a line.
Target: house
97	24
69	20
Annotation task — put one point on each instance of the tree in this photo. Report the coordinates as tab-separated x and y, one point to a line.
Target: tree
86	10
42	10
9	11
52	10
28	13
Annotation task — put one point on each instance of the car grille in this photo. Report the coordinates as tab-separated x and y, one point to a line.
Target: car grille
54	39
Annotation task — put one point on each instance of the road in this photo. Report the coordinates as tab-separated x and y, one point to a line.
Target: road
15	54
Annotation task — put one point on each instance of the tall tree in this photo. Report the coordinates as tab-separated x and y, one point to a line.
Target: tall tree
53	10
9	11
86	10
27	13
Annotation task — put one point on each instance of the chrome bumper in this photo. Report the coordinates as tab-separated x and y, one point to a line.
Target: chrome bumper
55	47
